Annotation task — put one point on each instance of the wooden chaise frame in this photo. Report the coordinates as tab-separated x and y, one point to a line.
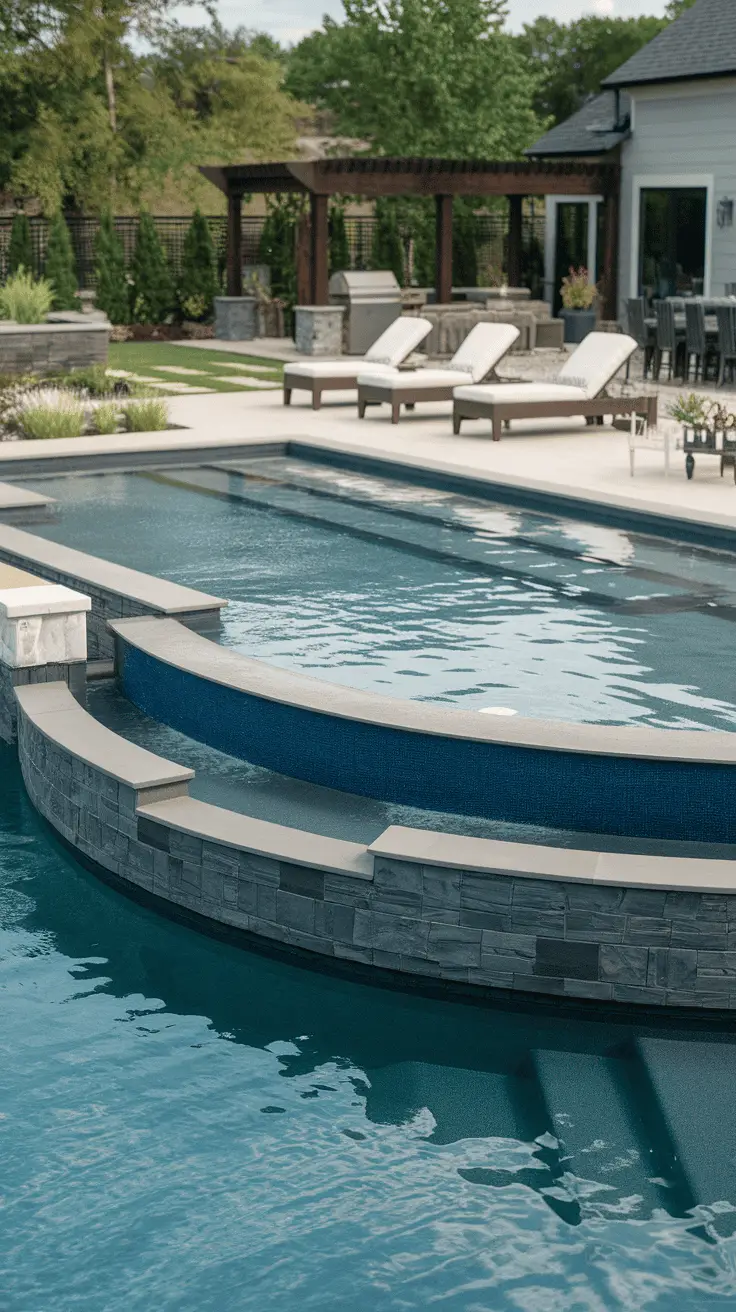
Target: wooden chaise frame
594	409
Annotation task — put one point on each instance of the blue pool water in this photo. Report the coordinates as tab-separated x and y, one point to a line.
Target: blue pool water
184	1125
427	594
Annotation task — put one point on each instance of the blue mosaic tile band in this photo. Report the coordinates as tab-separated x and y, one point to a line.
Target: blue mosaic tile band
569	790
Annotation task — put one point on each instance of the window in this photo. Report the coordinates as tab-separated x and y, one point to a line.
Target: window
672	241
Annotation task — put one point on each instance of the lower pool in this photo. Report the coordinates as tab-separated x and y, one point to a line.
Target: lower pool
426	594
188	1126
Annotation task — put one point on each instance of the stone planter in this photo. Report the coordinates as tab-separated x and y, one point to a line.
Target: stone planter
236	318
318	329
578	323
46	348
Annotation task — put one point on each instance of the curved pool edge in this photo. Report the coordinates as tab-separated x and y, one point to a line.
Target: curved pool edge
630	782
473	915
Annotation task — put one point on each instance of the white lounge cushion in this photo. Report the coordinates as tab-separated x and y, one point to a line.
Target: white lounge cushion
399	340
410	380
597	360
484	346
347	368
495	393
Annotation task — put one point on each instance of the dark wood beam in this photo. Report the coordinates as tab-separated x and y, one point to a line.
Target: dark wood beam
303	260
443	249
319	250
234	247
513	255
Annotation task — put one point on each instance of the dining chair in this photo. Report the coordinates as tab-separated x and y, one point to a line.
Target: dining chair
641	331
726	317
696	340
668	340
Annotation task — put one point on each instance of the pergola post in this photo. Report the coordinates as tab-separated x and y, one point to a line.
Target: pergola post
443	249
319	250
609	276
513	256
234	246
303	260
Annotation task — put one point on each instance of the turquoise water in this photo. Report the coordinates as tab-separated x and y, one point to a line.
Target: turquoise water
425	594
189	1126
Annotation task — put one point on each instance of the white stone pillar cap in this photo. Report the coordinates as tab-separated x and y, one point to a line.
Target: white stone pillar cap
45	599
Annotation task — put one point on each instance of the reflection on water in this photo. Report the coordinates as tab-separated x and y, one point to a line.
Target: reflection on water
189	1125
427	594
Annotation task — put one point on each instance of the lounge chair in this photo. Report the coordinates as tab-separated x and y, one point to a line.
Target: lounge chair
481	351
384	356
579	389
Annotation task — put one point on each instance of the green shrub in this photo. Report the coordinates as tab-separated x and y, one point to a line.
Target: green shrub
146	416
198	283
152	288
106	417
20	249
25	299
93	380
48	414
112	293
277	247
60	267
387	251
339	252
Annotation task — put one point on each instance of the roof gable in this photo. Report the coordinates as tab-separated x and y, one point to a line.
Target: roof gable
700	43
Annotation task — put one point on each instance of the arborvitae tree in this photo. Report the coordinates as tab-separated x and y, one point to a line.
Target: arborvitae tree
60	267
152	289
387	251
464	258
198	283
20	249
111	294
277	248
339	254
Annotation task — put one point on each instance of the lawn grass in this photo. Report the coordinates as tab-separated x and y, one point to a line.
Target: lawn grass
146	358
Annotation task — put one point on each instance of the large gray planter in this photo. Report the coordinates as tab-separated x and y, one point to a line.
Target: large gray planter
578	323
46	348
318	329
236	318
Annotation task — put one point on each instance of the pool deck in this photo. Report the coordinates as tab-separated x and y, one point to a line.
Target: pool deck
562	457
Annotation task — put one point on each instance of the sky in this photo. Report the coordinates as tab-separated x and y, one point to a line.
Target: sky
290	20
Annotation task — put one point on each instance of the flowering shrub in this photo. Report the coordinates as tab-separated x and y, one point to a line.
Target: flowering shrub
577	291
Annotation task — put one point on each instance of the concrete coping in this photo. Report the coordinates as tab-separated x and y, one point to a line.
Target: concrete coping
39	598
55	713
10	328
158	594
490	856
261	837
170	642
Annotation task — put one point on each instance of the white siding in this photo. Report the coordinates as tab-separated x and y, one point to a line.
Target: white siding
682	132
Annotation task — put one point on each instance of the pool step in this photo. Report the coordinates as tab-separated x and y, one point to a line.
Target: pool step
583	1097
464	1104
693	1084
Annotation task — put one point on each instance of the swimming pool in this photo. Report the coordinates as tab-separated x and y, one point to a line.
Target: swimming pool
426	594
187	1125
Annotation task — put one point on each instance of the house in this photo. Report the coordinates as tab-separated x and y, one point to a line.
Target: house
668	118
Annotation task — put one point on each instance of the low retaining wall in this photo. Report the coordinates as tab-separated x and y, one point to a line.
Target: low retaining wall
475	914
116	592
43	348
635	782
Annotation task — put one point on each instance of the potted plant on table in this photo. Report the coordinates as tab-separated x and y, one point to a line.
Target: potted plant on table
707	427
578	313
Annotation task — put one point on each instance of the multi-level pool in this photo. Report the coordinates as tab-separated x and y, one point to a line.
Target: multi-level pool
426	594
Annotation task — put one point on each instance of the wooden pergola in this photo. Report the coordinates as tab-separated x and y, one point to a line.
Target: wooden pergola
441	178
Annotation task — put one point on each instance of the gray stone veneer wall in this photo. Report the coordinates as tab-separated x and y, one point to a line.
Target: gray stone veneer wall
73	674
47	347
488	929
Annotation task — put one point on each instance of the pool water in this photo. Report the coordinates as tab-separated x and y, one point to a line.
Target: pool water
186	1125
426	594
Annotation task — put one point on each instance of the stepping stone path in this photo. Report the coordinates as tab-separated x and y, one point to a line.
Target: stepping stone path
178	369
251	368
249	382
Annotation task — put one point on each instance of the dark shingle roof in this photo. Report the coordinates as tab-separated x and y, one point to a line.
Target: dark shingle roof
701	43
591	131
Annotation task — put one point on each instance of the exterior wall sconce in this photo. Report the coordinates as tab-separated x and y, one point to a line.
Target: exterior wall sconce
724	213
